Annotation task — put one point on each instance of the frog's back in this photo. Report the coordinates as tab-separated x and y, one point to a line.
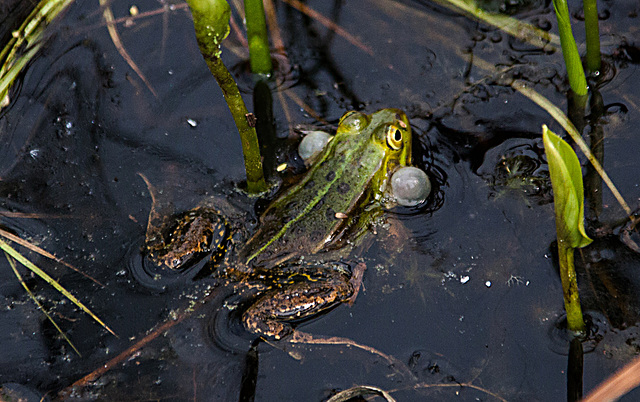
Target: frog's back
312	214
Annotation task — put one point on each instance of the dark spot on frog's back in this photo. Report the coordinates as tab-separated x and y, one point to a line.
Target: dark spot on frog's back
330	214
343	188
318	205
291	207
310	184
330	176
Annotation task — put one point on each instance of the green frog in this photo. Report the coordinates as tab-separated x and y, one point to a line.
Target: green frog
298	259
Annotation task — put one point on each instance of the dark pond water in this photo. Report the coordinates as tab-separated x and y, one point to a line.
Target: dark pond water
473	298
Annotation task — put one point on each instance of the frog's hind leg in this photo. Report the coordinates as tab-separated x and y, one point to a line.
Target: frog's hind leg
274	312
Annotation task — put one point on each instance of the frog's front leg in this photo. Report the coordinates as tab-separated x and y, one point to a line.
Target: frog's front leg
271	315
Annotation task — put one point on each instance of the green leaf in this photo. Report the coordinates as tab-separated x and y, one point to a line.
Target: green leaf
566	180
211	21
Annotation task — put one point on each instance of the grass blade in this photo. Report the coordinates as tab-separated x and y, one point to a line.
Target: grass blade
31	266
12	262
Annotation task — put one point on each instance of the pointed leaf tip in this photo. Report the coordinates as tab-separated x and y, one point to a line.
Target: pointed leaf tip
566	180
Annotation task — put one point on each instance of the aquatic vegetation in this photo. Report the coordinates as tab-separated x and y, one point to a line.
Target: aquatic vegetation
480	262
572	61
13	255
211	22
564	121
593	35
259	52
26	41
514	27
566	179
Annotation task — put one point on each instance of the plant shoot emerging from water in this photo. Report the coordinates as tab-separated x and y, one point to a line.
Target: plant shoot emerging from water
211	22
566	180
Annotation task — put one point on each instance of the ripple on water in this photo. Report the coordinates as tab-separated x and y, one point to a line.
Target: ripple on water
285	75
160	278
216	330
560	337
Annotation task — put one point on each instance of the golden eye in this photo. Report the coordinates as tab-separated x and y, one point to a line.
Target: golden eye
394	137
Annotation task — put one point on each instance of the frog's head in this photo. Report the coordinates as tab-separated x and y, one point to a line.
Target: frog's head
387	135
389	129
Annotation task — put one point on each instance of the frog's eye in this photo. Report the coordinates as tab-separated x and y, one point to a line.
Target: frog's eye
353	121
394	137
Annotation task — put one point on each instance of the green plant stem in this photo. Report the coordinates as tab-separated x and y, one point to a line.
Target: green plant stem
572	61
592	34
259	52
211	23
575	321
249	138
576	110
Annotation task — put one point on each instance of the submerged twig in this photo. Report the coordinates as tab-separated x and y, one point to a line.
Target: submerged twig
300	337
460	385
309	339
305	9
115	38
126	354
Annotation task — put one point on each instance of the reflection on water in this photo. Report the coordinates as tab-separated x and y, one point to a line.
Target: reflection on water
518	167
